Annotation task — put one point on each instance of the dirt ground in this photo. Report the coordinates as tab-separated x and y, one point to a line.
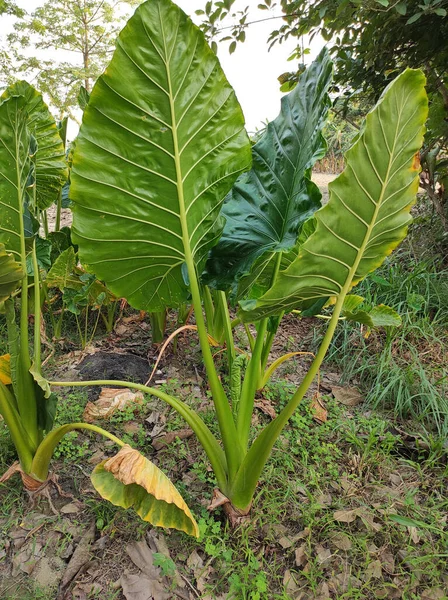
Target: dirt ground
322	180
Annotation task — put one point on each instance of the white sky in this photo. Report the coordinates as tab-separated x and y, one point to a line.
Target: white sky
251	70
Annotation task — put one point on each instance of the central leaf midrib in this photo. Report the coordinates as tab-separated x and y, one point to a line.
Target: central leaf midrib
378	206
177	162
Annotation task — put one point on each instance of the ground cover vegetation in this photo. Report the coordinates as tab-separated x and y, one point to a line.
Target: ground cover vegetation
166	128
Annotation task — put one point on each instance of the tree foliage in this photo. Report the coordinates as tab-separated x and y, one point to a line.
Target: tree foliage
371	42
85	30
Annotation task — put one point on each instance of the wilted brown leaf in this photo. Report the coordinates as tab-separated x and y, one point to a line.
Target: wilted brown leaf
369	520
289	582
72	508
387	561
80	557
300	556
142	557
434	594
110	401
349	396
266	407
323	554
201	581
341	541
345	516
168	438
140	587
285	542
194	561
374	570
318	410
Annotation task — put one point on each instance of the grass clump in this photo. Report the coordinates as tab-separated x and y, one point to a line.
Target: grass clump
405	368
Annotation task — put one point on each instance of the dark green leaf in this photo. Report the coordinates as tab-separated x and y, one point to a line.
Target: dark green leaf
414	18
267	207
14	170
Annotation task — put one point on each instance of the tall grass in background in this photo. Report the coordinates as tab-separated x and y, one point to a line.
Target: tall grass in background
406	368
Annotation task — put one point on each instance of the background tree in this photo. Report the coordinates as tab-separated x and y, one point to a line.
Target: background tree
86	29
9	7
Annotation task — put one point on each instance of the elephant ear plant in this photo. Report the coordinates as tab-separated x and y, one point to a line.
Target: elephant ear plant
162	142
26	403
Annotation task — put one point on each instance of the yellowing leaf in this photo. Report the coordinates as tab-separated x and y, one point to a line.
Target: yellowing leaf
5	369
128	479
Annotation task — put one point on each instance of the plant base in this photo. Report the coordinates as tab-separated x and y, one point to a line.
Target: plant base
35	488
235	516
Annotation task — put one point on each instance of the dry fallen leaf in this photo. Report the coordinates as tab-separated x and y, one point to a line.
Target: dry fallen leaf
323	592
369	520
322	554
289	582
300	556
140	587
168	438
72	508
349	396
434	594
266	407
286	542
201	581
110	401
318	409
345	516
374	570
194	561
80	557
387	561
341	541
142	557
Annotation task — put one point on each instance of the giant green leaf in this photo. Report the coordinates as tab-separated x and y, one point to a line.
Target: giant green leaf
368	212
51	167
14	171
10	274
267	206
161	143
128	479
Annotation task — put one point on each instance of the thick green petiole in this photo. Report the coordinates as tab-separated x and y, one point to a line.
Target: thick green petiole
203	433
37	313
18	433
244	484
42	458
250	382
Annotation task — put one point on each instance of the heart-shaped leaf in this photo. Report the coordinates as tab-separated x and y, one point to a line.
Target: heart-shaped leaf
161	143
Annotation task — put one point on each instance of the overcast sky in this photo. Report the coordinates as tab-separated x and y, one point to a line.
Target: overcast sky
251	70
